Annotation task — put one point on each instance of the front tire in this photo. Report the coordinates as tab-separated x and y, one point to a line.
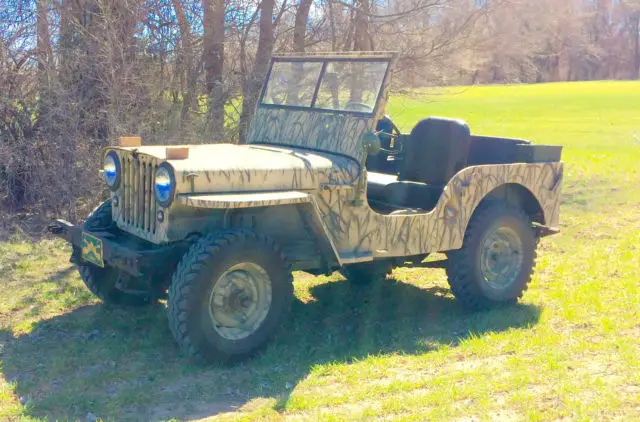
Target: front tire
228	295
103	283
495	264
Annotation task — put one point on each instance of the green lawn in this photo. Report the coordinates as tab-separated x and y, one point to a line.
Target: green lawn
398	350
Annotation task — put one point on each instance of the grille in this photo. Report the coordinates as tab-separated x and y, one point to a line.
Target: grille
138	202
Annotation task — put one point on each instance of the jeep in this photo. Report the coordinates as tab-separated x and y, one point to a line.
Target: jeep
324	182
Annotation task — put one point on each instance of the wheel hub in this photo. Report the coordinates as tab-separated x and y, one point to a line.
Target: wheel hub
240	300
501	257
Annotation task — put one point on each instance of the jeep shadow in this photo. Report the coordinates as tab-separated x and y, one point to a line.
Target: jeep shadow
122	364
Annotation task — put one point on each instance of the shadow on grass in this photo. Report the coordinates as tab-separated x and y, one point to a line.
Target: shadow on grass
123	364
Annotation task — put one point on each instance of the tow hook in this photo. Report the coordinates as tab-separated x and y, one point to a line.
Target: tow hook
59	227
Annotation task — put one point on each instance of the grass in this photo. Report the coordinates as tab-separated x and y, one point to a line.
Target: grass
399	350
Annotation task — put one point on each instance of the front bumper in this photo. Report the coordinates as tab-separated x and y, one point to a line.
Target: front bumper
121	250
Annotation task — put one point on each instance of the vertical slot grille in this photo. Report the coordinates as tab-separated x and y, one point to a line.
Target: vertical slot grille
138	200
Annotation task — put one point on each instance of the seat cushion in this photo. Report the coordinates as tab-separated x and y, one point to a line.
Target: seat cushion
376	184
413	195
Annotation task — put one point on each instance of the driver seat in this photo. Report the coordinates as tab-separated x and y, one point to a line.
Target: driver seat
437	149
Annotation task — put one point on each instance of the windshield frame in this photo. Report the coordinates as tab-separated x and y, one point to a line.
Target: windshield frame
325	60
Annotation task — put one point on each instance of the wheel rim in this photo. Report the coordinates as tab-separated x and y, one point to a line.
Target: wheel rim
240	300
501	258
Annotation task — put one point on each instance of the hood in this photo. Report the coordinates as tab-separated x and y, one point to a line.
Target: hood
243	168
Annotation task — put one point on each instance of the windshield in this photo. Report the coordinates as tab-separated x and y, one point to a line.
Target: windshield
334	85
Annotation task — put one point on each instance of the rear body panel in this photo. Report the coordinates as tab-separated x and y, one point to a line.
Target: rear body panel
357	230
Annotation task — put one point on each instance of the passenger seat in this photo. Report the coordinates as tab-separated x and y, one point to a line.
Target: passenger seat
436	150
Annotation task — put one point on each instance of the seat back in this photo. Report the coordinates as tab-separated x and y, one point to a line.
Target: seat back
436	150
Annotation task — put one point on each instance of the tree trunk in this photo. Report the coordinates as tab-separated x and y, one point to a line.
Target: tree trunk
300	25
635	34
43	45
332	24
189	99
362	40
251	88
214	66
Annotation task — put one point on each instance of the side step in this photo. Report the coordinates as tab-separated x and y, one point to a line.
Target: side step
442	263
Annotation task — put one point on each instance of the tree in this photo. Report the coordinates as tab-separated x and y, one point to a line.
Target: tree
214	28
253	81
76	74
190	97
300	25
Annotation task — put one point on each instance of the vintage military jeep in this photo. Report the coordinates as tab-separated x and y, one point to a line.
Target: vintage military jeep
325	182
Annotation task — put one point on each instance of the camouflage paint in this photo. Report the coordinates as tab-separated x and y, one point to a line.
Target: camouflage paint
326	131
220	169
312	161
359	231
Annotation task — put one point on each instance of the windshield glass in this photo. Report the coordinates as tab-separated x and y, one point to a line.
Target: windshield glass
338	85
351	86
292	83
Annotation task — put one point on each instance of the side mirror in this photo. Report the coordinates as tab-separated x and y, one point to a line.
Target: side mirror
371	143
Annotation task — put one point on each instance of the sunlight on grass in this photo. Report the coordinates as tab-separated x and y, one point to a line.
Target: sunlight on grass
400	350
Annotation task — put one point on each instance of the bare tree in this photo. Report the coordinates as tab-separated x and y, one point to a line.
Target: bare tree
300	25
190	98
75	74
253	83
633	11
214	23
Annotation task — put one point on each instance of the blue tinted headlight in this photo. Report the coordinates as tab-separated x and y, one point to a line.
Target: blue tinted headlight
112	170
165	185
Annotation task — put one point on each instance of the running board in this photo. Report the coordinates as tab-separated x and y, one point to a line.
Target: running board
429	264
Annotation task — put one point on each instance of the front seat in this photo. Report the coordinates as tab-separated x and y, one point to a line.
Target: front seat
436	150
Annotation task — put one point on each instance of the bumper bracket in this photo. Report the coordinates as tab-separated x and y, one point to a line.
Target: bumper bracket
122	250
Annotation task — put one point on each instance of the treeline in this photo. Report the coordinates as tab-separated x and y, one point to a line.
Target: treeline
76	74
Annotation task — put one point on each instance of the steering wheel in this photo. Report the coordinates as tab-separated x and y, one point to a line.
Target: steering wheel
390	131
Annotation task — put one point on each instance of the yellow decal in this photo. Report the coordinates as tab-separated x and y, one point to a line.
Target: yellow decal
92	249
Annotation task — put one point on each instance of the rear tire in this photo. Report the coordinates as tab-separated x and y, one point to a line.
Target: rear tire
495	264
228	295
102	282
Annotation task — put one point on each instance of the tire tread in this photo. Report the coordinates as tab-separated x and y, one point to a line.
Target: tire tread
460	271
185	277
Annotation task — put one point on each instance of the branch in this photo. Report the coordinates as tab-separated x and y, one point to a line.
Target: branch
429	4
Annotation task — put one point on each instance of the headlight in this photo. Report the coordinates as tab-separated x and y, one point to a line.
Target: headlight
112	170
165	185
